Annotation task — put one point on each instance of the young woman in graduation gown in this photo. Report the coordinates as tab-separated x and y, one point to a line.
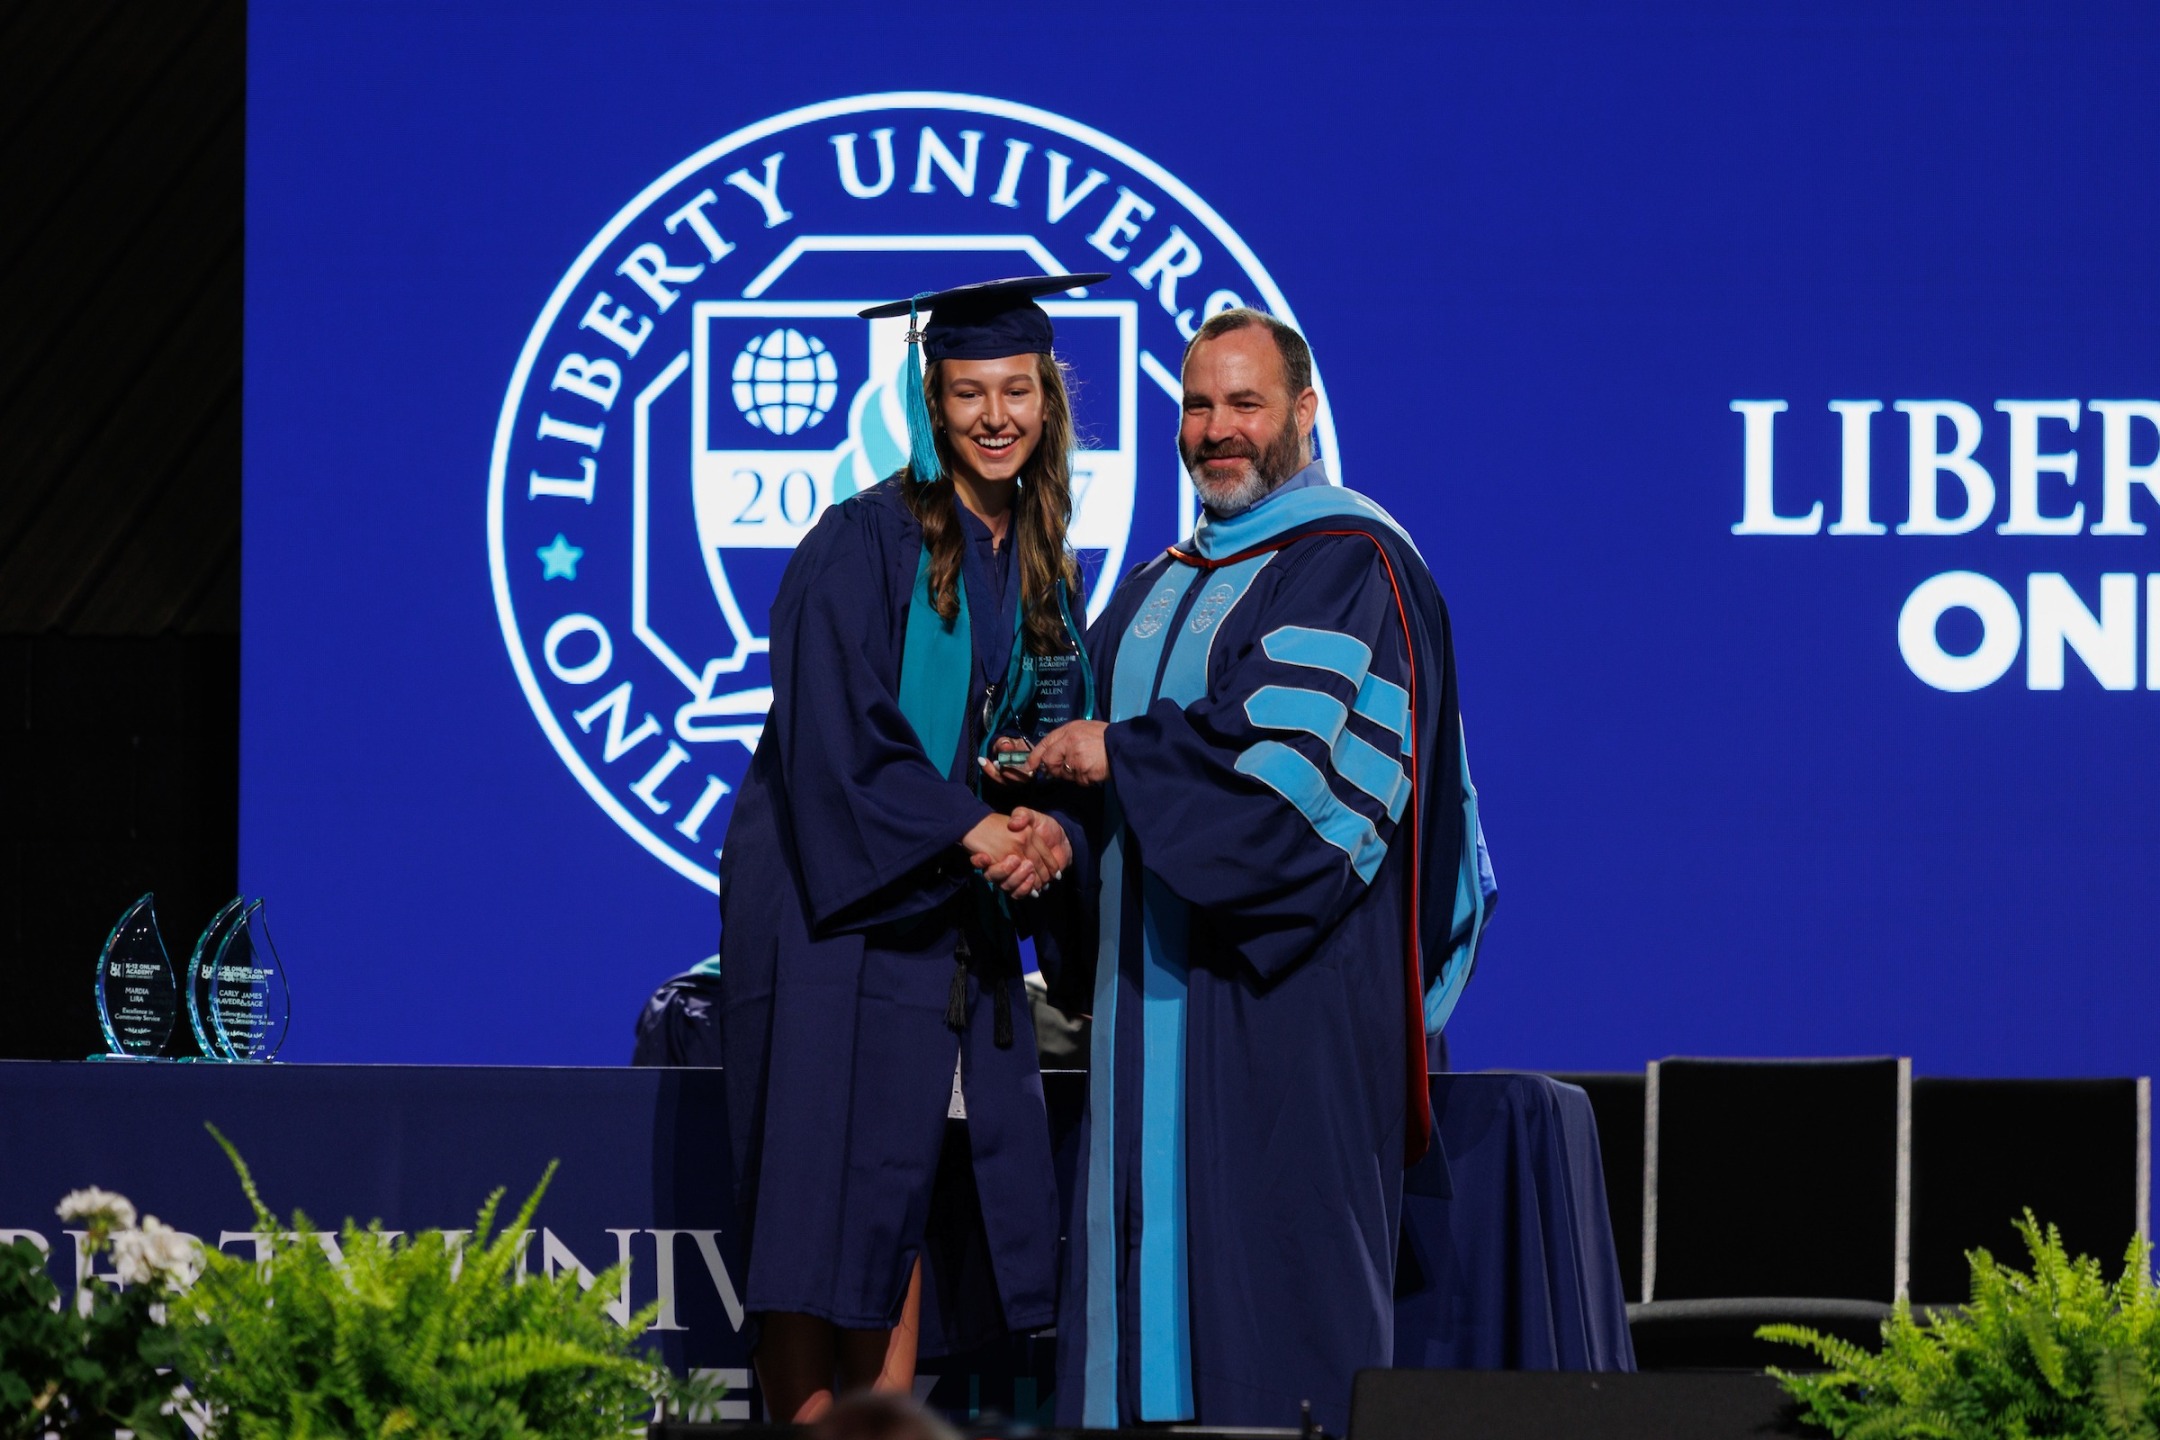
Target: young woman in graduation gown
870	897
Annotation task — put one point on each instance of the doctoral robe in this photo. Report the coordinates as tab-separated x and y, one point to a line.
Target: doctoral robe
1280	852
842	885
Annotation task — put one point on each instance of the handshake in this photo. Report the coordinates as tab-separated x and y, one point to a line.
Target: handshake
1019	853
1022	852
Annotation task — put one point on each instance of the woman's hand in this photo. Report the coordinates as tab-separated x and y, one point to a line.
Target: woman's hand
1012	774
1003	854
1072	752
1019	853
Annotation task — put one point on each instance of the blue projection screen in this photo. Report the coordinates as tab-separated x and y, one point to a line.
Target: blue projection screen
1773	389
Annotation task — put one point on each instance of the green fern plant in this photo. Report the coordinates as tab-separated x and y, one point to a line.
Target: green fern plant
419	1337
2059	1352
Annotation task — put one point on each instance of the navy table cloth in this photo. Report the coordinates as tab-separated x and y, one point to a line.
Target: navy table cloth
1515	1270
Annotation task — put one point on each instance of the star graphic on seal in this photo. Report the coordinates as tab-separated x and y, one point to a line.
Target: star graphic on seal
560	559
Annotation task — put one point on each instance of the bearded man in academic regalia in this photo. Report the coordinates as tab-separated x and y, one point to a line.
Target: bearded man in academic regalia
1292	889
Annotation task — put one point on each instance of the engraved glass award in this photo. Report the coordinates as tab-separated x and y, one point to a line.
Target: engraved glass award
249	1005
136	998
202	971
1040	693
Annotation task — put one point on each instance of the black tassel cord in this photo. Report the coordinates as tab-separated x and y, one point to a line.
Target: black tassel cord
1000	973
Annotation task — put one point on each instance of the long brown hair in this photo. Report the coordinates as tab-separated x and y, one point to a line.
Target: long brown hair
1041	512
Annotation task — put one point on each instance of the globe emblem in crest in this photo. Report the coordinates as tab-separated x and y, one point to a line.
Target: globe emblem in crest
785	380
699	392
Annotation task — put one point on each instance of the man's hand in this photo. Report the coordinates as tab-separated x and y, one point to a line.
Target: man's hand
1073	752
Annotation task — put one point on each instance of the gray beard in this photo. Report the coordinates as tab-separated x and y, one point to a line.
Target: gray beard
1238	498
1283	458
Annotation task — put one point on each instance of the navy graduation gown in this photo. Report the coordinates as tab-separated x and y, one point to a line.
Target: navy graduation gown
841	887
1268	887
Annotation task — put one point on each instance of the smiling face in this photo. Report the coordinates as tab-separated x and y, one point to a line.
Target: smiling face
991	414
1243	433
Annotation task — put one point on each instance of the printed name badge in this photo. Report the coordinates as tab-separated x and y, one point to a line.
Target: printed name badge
698	391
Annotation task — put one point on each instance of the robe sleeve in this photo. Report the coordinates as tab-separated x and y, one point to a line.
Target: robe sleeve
1271	801
875	825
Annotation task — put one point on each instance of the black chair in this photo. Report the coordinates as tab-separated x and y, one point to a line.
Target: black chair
1616	1098
1773	1191
2074	1152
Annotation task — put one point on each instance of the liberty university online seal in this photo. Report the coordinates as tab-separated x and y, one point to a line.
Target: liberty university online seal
698	390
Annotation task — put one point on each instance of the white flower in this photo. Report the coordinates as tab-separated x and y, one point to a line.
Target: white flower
94	1204
129	1261
156	1252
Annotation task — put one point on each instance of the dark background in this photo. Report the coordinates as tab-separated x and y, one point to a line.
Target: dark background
120	284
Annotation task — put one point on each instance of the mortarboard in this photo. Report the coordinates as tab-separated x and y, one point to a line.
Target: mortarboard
987	321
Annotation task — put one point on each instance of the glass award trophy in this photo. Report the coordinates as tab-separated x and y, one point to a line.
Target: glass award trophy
1040	693
249	1005
136	997
201	974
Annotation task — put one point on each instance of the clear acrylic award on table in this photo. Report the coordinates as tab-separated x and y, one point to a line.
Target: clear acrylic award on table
250	1007
201	975
136	997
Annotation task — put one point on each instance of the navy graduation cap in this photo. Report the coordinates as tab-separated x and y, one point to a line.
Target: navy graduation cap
991	320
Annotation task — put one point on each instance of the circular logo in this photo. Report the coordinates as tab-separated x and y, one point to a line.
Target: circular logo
698	390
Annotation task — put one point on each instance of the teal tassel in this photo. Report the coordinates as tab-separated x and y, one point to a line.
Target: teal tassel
922	435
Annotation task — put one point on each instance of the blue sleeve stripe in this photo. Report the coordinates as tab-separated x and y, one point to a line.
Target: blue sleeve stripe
1383	702
1320	715
1279	707
1345	655
1378	775
1299	781
1387	705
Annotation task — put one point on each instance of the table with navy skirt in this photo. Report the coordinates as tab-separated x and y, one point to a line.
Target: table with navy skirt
1507	1255
1507	1259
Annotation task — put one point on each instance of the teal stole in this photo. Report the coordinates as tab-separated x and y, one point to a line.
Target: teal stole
937	660
937	669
